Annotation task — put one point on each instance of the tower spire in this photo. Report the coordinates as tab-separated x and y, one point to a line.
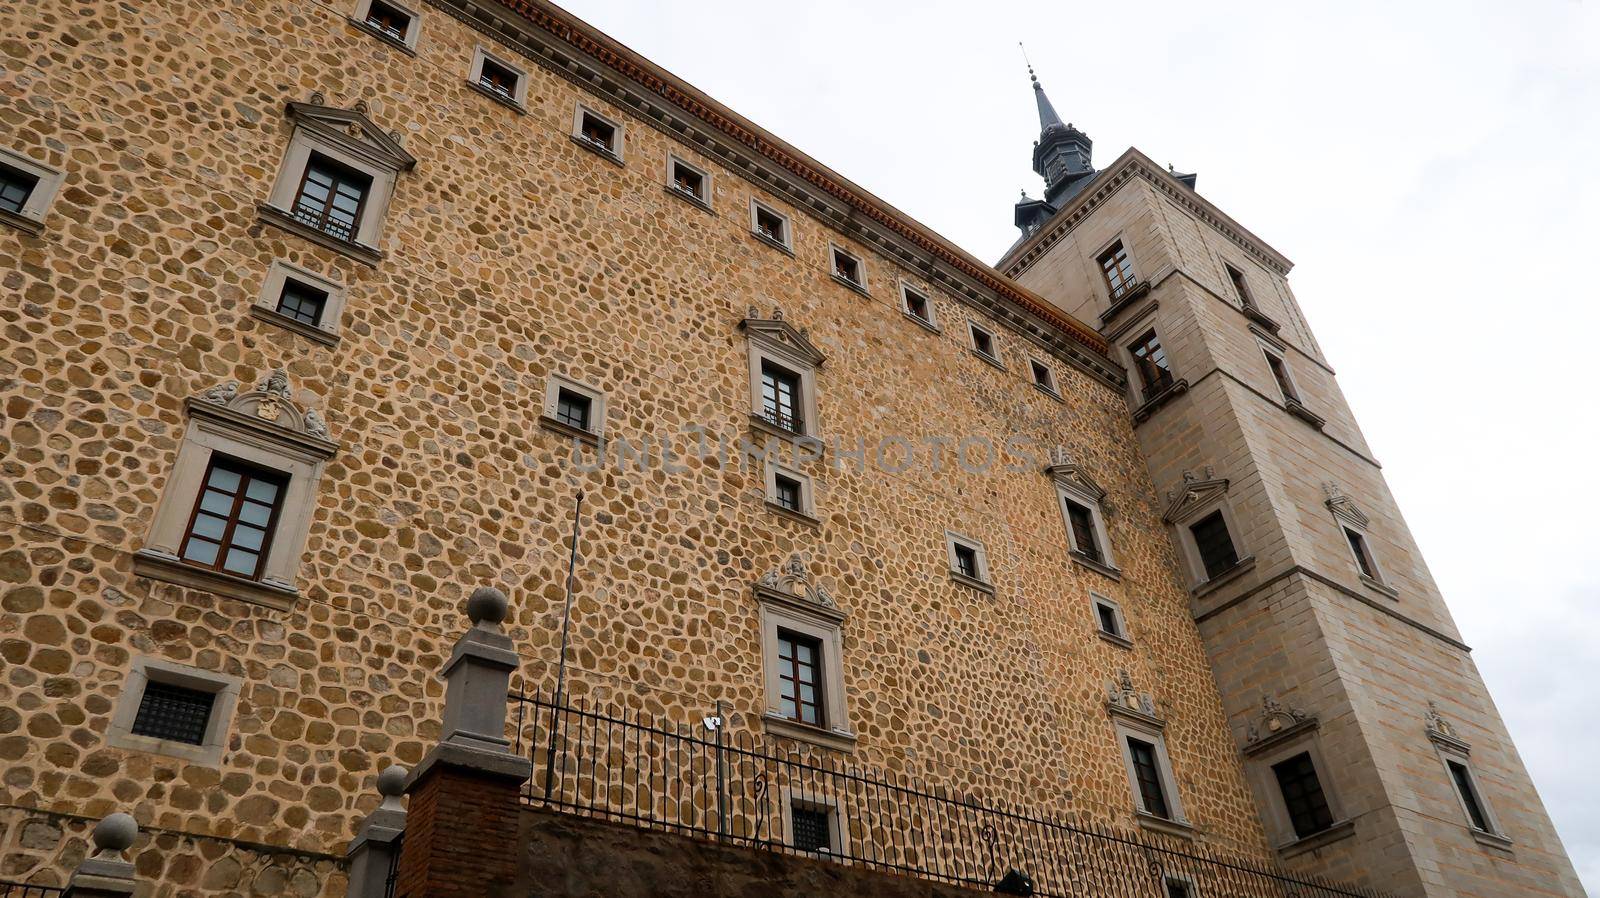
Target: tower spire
1048	118
1062	156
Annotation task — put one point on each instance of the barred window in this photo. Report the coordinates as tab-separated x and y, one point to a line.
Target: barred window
1117	269
234	517
1214	543
967	561
388	20
173	713
597	131
812	828
331	197
780	397
687	179
917	305
800	677
1302	795
787	492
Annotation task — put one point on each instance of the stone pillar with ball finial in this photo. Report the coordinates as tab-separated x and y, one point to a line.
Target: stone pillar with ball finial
376	848
105	874
462	825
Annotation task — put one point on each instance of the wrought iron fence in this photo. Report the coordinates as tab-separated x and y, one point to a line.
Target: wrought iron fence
744	789
10	889
392	878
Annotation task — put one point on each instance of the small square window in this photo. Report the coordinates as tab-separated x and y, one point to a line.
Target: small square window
1108	619
983	342
1179	888
968	561
598	132
572	409
173	713
786	492
16	186
812	828
302	302
389	20
1214	544
769	224
689	181
847	268
1117	270
917	304
1043	377
498	79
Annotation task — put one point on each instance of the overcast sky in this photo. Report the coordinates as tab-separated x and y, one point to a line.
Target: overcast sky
1433	169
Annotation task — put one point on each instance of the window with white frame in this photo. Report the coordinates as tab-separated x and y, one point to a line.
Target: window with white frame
783	373
301	300
789	491
1082	512
237	507
390	20
174	710
1108	619
916	304
27	187
574	408
691	182
496	77
1150	779
847	267
336	180
597	132
983	342
802	658
771	225
969	562
1362	553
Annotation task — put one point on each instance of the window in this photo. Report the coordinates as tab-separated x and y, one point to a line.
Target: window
26	190
1214	544
1081	512
1302	795
302	302
848	268
812	828
1150	360
688	181
789	490
1043	377
330	197
233	518
916	304
598	133
1108	619
1085	540
1117	269
769	224
171	709
15	188
983	342
1467	791
574	409
786	492
389	20
969	564
174	713
1280	374
497	78
1147	775
1358	548
780	397
1240	289
800	678
1179	888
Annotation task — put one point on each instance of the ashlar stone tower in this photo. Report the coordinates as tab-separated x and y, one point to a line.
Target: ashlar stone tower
1332	647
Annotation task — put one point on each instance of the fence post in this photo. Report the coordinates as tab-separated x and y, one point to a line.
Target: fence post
374	851
722	773
105	874
461	830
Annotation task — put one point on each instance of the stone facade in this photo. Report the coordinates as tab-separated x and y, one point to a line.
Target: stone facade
510	253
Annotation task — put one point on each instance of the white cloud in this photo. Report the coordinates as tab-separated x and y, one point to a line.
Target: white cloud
1432	167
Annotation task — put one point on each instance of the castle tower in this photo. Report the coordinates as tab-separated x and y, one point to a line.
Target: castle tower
1373	748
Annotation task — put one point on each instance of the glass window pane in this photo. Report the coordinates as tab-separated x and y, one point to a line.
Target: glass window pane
224	480
255	513
200	552
209	526
262	490
247	537
217	503
241	562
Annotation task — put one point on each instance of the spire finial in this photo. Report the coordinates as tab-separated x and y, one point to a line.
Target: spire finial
1031	76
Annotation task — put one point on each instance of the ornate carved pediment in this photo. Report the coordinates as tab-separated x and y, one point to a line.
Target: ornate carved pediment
1195	492
1275	723
778	333
1343	507
1123	698
1442	731
269	408
791	585
351	130
1072	475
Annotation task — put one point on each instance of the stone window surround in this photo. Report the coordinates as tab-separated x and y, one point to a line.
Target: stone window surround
1191	552
1048	387
809	800
983	582
358	18
554	383
1100	274
673	161
764	350
973	329
1270	350
1190	888
618	133
1448	750
1120	638
266	305
1132	331
146	670
1068	489
215	428
807	617
312	135
1149	729
932	321
808	500
1259	760
1379	580
49	180
519	97
835	250
787	243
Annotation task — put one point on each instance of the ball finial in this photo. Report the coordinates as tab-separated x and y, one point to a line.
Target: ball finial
115	834
392	781
487	605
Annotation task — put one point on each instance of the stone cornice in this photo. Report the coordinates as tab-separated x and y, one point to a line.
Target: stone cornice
574	50
1134	164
